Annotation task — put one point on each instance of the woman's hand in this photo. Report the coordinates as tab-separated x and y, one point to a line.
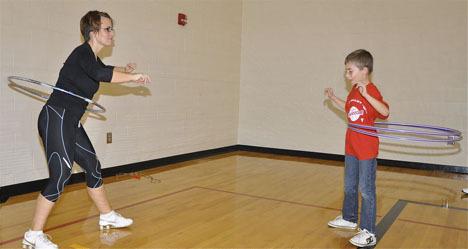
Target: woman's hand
130	67
141	78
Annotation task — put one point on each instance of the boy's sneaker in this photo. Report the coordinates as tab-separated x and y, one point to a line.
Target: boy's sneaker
37	240
339	222
363	238
113	220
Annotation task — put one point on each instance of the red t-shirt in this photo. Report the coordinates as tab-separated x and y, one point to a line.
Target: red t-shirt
360	111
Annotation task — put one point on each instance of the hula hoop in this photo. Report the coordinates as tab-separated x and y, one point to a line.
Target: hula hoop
44	96
438	134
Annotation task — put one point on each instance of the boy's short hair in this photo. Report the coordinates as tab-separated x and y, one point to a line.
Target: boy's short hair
361	58
92	22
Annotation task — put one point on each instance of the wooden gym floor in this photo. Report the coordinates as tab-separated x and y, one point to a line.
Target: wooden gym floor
250	200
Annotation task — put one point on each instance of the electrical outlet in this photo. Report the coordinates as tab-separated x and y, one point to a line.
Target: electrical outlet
109	137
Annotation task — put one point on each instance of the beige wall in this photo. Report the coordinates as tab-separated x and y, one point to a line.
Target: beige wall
280	54
192	104
292	50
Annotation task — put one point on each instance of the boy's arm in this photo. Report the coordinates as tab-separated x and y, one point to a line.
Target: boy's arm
331	95
339	102
379	106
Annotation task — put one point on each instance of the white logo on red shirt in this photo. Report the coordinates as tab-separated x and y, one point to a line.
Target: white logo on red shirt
354	113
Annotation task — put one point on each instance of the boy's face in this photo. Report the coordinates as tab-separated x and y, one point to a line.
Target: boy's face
356	75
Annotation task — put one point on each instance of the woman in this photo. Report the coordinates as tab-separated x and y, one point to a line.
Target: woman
64	138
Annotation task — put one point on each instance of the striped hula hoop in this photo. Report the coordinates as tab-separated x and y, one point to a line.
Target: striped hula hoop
434	134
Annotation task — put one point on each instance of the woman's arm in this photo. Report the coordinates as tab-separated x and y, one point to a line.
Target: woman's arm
130	67
119	77
123	74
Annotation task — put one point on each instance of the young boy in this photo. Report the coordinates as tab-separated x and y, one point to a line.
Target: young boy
363	105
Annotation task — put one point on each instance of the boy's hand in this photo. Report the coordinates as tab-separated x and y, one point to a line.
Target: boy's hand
362	88
329	92
331	95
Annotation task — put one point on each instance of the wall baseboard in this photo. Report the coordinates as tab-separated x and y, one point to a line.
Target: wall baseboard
37	185
336	157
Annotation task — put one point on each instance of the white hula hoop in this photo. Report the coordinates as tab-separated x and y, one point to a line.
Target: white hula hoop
43	84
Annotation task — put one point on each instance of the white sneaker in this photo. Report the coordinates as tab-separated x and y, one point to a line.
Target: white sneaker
37	240
363	238
113	220
465	190
339	222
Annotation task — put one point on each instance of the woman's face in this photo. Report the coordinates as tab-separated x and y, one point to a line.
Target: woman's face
105	34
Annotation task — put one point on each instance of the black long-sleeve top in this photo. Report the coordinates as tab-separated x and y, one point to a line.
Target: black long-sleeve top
80	74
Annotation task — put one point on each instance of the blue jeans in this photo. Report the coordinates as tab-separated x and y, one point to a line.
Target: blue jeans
360	174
